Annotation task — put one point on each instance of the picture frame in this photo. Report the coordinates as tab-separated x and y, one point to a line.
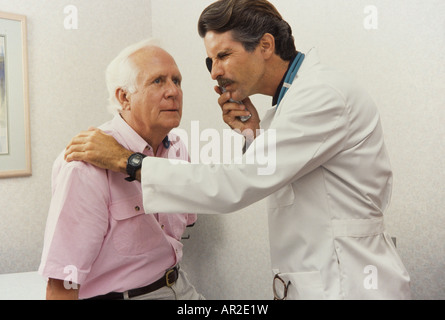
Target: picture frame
15	144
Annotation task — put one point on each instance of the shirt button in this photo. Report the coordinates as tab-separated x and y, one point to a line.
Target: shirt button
162	227
137	208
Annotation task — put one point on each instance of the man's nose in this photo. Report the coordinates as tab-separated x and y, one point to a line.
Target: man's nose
216	71
173	89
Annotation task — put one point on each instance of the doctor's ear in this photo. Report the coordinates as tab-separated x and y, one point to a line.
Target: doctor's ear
123	97
267	45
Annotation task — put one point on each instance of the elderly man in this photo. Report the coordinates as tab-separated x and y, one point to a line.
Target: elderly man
99	241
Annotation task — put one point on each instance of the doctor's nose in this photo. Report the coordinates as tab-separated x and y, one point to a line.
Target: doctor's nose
214	69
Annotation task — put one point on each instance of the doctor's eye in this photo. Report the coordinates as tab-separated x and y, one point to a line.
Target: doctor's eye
223	55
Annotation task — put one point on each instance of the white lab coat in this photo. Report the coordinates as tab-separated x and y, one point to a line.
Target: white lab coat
325	199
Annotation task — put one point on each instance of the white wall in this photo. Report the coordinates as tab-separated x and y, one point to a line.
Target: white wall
67	94
401	63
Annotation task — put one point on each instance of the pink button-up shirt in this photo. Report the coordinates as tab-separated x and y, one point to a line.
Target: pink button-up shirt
97	233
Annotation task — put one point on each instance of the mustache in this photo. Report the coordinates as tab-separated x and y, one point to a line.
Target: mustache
223	82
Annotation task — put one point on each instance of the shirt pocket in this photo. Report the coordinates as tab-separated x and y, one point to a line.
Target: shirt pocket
132	231
174	224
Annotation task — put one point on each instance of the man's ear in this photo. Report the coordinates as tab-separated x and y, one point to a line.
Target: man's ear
267	45
123	97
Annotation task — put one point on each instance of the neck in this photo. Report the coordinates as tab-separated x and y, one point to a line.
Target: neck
275	71
154	143
153	137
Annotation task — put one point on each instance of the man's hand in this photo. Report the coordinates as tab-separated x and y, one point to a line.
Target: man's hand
232	111
99	149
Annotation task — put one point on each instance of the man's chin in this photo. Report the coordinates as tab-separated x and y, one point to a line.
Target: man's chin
172	123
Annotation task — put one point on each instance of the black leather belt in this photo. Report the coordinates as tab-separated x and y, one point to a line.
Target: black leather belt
167	280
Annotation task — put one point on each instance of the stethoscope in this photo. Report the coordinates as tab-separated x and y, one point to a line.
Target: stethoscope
290	76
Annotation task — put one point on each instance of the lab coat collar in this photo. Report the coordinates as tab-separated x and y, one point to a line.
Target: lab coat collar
311	59
277	92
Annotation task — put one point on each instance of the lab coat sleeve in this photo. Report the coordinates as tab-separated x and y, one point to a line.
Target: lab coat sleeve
309	127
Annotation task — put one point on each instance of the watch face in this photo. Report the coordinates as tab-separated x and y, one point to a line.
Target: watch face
135	161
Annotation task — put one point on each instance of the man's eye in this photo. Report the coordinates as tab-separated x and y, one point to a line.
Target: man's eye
223	55
158	80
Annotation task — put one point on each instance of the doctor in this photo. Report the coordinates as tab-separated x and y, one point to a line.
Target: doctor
332	182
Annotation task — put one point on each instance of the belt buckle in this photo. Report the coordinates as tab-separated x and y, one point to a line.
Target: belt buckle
167	281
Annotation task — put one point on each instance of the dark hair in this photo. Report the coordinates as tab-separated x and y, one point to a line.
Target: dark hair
249	20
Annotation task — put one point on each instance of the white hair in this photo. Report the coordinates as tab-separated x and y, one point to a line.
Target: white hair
123	73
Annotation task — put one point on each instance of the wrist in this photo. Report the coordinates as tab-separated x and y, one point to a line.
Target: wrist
122	162
134	165
138	175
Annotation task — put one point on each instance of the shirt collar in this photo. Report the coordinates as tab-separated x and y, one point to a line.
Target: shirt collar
130	138
277	93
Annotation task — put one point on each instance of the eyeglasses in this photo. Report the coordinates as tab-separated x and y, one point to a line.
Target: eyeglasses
280	288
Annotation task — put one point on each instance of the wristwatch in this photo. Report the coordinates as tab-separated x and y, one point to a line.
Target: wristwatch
134	163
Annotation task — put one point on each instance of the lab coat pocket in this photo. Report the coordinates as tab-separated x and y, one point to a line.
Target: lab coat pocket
371	274
133	229
281	198
304	285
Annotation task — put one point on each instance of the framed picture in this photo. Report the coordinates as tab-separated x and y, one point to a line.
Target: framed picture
15	146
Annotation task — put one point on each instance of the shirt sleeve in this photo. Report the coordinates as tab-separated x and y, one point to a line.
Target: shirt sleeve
77	221
191	219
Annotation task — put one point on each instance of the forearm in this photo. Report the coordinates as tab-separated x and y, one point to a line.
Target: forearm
99	149
121	162
55	290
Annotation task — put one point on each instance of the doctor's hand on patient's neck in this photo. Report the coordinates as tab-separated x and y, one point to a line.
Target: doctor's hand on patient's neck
99	149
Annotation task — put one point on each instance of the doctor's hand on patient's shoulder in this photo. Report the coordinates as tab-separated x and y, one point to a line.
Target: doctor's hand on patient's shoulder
232	112
99	149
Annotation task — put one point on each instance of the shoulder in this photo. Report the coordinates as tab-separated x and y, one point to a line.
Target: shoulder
324	79
79	171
